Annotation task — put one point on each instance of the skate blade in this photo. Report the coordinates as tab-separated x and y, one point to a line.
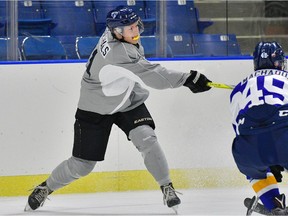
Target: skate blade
28	208
175	209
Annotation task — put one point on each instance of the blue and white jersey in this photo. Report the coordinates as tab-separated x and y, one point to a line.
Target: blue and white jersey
266	86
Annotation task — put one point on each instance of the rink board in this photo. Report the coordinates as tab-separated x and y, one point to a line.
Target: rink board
38	104
127	181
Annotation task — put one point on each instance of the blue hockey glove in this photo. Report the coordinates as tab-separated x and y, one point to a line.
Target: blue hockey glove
197	82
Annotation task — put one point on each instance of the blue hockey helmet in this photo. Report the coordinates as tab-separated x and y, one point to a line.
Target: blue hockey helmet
123	16
269	55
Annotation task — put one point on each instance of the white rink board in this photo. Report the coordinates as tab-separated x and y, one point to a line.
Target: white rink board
38	103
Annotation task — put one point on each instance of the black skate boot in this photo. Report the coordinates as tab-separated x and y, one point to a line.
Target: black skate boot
169	196
38	197
281	206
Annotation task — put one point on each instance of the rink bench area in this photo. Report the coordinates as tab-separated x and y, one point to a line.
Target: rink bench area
39	100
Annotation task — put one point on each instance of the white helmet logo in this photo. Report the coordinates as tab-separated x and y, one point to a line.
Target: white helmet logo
114	14
264	55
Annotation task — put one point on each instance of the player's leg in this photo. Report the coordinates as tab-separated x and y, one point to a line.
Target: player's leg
139	128
65	173
252	163
69	171
91	134
145	140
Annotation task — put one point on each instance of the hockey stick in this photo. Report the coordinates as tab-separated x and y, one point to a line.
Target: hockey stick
220	85
252	205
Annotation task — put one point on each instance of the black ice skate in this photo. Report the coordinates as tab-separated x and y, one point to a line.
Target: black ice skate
281	206
38	197
254	206
169	197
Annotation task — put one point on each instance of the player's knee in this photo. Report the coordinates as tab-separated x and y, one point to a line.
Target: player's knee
144	138
79	167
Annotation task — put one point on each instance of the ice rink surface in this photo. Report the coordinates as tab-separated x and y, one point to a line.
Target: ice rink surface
227	201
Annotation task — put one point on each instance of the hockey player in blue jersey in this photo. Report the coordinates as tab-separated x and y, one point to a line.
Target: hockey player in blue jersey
259	106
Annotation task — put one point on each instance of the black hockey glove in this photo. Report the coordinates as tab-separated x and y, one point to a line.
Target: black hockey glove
197	82
276	170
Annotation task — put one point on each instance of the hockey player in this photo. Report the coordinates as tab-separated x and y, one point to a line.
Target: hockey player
112	93
259	106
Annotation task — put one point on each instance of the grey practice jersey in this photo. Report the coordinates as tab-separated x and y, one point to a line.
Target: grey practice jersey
115	74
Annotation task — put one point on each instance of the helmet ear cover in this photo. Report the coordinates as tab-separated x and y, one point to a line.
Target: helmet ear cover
119	30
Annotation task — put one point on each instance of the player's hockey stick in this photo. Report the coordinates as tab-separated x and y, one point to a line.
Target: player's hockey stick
220	85
253	206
